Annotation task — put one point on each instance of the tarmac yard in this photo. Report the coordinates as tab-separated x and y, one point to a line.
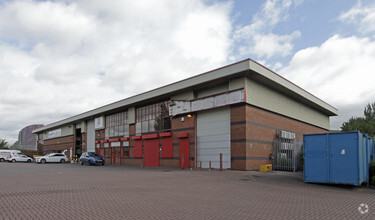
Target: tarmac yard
71	191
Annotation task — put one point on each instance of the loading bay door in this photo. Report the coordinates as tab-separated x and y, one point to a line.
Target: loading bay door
213	138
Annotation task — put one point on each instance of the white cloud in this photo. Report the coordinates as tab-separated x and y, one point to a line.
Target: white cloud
258	38
62	58
361	16
340	71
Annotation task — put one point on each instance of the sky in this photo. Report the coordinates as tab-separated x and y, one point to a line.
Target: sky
62	58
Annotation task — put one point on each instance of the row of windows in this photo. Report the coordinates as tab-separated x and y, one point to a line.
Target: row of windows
153	118
117	125
149	118
108	152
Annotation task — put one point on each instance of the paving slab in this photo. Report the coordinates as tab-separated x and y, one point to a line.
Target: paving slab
71	191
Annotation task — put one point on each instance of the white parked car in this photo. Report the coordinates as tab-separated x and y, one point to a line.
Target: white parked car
52	158
19	158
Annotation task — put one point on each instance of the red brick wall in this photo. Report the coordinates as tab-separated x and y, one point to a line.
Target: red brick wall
99	134
253	131
59	144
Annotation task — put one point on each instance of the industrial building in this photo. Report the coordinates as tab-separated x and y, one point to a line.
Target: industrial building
237	111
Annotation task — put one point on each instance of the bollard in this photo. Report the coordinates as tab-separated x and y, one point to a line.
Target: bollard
221	162
209	169
200	166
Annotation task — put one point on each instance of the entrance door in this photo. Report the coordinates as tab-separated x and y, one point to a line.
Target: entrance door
78	144
184	152
151	152
116	155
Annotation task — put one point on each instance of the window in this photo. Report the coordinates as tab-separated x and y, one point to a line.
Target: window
97	146
125	149
153	117
106	150
117	125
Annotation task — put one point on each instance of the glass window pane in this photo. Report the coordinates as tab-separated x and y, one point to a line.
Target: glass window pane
152	125
144	126
116	131
126	131
121	130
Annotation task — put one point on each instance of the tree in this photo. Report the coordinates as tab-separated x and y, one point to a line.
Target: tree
163	121
3	144
365	124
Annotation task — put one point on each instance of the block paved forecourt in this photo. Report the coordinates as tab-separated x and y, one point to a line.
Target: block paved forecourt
71	191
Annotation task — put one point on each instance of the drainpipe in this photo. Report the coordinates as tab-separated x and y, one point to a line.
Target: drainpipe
195	140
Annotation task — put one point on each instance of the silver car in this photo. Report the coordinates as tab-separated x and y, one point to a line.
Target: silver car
52	158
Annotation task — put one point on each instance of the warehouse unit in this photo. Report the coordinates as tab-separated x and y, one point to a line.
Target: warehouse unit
234	113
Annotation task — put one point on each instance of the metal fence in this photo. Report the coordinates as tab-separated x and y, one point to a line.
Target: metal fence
287	154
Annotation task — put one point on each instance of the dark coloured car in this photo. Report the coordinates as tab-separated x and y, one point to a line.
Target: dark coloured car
91	158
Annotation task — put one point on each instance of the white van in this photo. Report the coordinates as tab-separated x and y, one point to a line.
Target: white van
4	154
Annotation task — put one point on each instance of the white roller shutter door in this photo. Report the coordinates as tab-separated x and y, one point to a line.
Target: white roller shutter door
91	136
213	138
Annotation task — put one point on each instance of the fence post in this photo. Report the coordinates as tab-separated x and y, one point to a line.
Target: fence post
221	162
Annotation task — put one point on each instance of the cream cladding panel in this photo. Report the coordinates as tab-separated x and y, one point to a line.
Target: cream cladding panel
184	96
213	90
261	96
237	83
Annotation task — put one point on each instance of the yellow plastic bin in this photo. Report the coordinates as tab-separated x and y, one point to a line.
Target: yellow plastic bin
265	168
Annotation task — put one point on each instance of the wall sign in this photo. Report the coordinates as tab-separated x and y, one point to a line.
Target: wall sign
54	133
99	122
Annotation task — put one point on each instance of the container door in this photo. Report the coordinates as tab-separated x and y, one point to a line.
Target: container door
344	161
316	154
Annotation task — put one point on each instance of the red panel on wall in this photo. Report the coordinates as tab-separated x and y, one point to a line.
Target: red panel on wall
151	152
138	148
183	135
137	137
167	147
184	152
166	134
114	140
150	136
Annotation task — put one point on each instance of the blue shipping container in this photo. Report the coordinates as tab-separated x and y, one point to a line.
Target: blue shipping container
339	158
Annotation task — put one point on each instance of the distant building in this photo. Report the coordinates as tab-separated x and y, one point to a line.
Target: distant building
26	139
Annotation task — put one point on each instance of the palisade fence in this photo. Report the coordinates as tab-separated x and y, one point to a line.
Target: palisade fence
287	152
